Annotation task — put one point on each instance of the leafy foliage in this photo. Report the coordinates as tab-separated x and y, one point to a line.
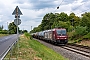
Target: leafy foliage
1	28
80	30
24	31
12	28
4	32
87	36
51	20
28	35
86	20
76	26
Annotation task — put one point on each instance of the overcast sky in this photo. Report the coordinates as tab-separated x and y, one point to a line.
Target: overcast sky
34	10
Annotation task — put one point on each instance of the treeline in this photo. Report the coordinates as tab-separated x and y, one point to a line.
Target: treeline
75	25
12	29
2	31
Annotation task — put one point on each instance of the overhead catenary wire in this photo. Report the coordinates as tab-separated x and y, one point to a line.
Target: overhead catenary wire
83	11
74	8
79	7
59	5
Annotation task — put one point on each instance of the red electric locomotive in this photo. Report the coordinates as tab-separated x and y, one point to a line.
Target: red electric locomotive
57	35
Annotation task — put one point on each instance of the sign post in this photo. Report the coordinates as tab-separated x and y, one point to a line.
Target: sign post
17	21
17	14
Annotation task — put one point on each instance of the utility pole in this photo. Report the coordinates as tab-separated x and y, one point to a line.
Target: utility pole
31	28
7	28
72	22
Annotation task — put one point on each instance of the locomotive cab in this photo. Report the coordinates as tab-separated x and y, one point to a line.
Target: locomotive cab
61	36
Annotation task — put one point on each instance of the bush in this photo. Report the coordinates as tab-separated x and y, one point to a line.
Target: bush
80	30
4	32
28	35
77	41
87	36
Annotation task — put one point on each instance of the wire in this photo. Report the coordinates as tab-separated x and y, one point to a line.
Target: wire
74	8
83	11
61	2
59	5
79	6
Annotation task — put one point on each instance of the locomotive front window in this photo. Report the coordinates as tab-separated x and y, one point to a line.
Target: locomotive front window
61	32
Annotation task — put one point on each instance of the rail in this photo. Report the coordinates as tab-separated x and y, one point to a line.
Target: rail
83	50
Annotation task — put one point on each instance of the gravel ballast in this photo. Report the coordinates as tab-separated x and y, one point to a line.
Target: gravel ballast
66	53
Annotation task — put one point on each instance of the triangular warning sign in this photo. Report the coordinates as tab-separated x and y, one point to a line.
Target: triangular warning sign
17	11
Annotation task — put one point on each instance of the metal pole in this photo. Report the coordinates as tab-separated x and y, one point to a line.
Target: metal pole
7	29
31	28
72	24
17	12
17	21
17	32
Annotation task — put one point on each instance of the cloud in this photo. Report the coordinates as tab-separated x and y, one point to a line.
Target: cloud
42	4
0	20
27	25
34	10
80	6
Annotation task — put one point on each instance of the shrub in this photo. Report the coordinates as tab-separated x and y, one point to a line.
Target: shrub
4	32
87	36
77	41
80	30
28	35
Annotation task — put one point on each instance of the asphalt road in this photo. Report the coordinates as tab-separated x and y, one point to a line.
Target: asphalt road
6	42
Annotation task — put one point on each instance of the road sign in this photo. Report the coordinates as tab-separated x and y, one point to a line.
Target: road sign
17	11
17	16
17	23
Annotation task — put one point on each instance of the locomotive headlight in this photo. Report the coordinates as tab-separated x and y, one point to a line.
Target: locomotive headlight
57	38
65	38
60	36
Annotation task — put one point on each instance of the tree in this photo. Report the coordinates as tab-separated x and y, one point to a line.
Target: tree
80	30
86	20
74	20
61	24
24	31
1	28
12	28
62	17
48	21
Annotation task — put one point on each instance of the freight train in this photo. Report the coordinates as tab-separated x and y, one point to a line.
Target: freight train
56	35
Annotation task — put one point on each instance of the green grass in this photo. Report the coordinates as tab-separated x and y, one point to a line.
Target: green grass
44	52
30	49
1	35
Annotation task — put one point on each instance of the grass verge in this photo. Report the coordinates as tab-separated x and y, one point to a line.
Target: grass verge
30	49
44	52
1	35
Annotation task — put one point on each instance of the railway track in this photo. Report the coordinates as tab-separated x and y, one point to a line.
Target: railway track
79	47
83	50
70	50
